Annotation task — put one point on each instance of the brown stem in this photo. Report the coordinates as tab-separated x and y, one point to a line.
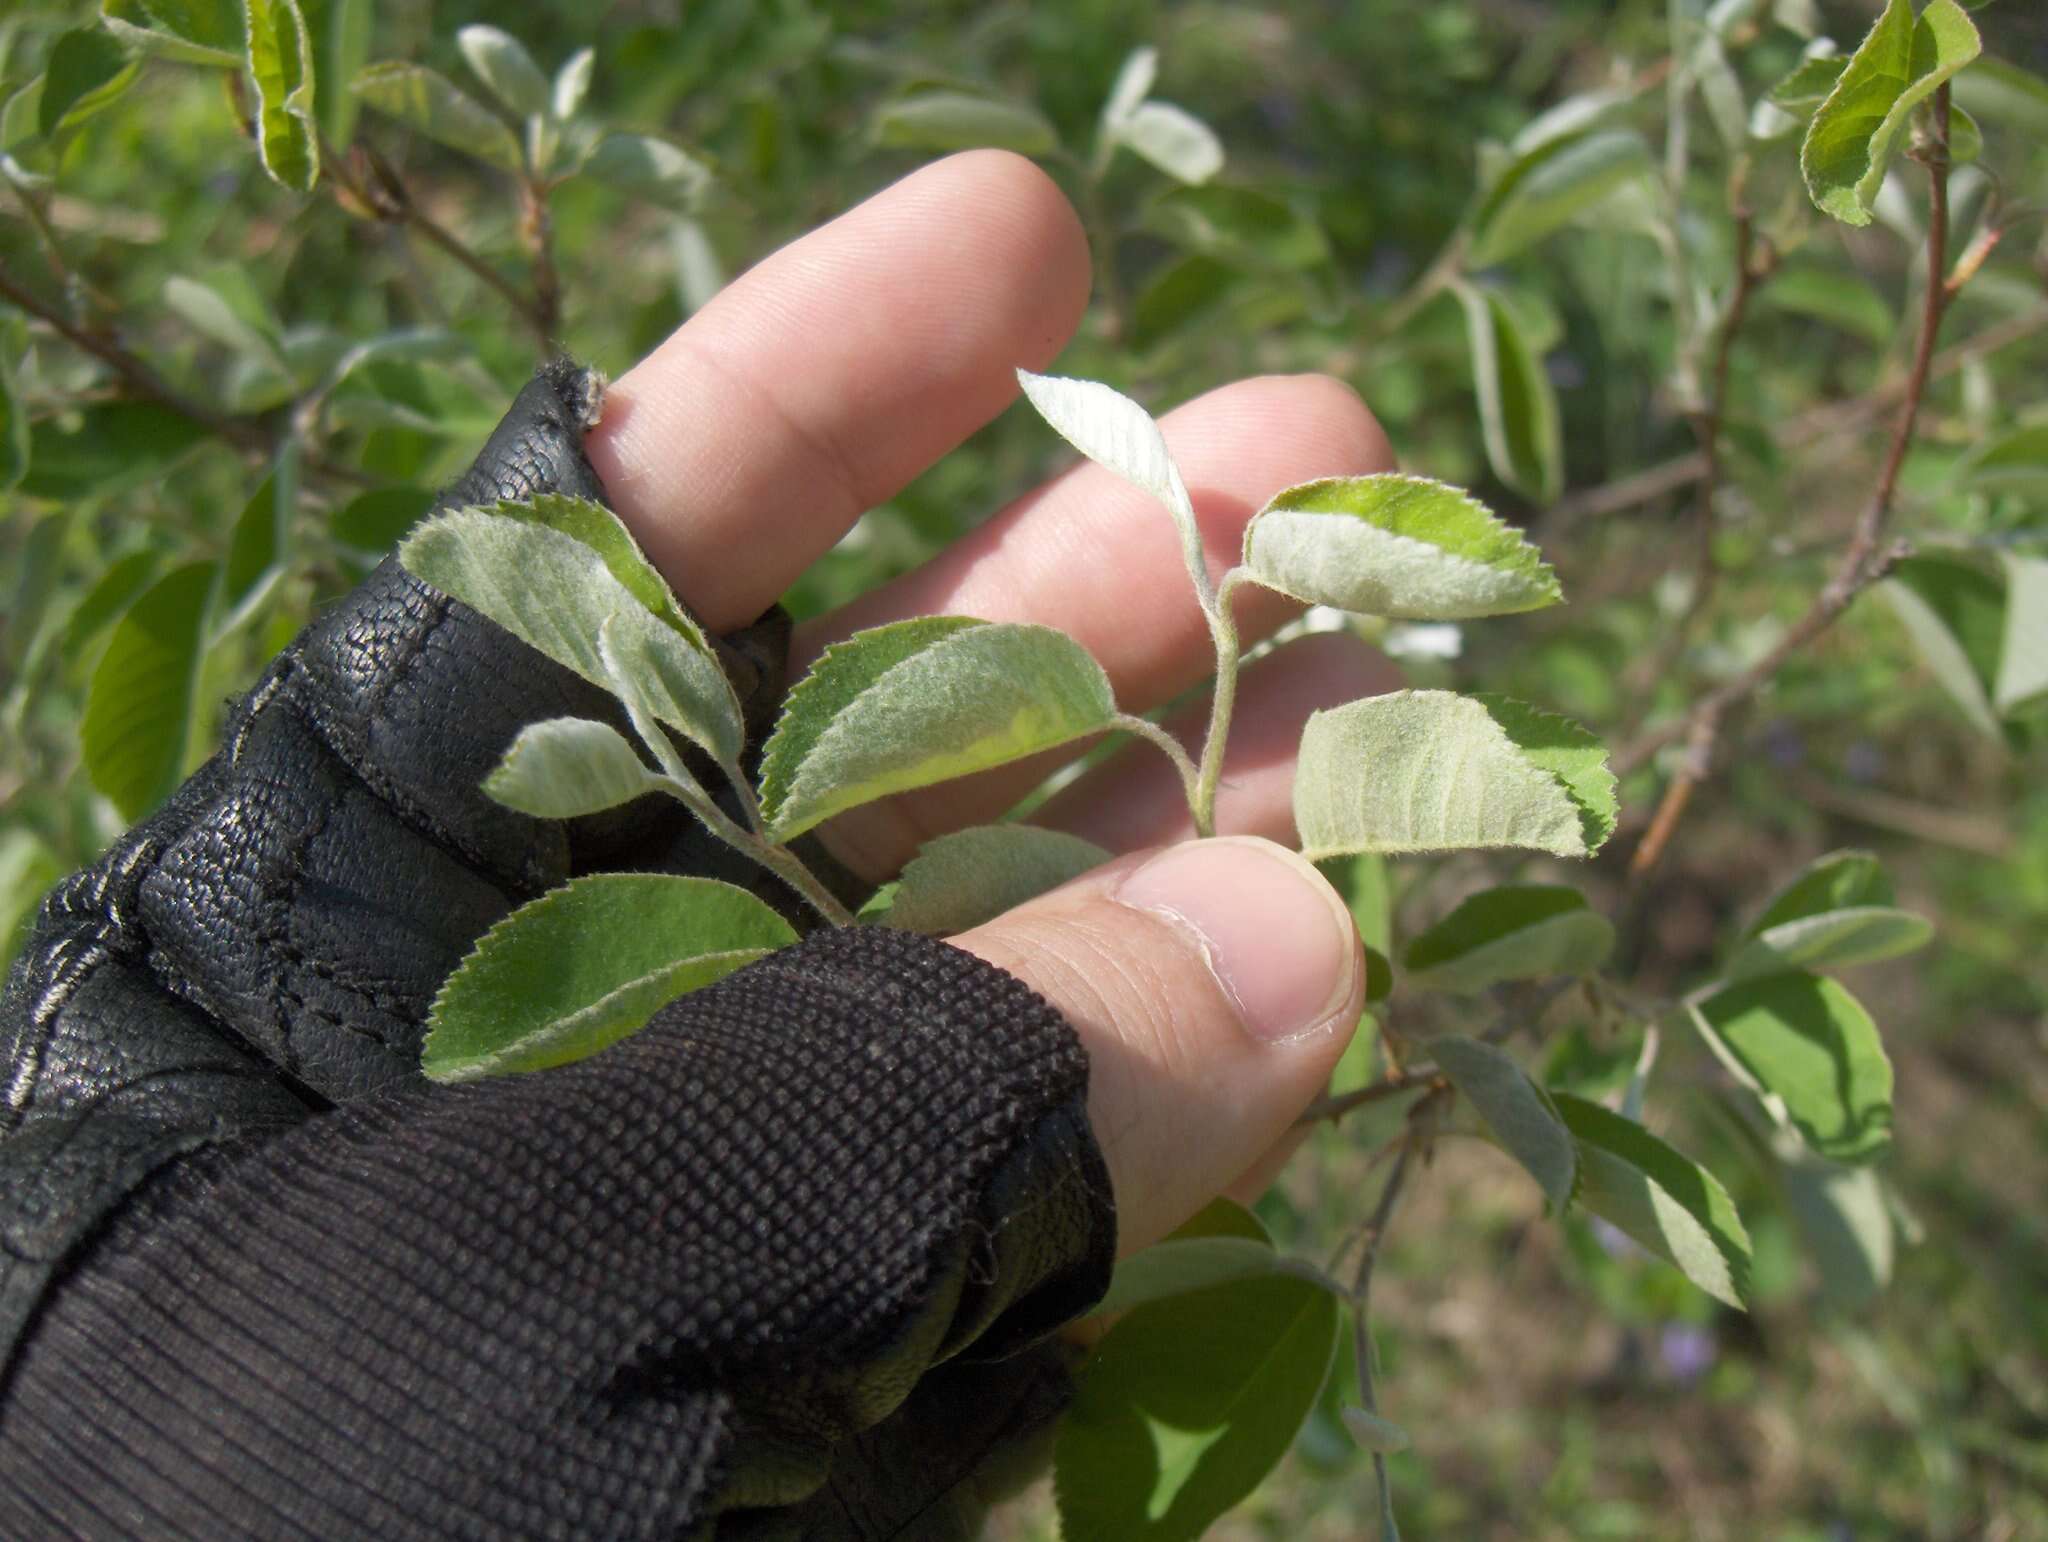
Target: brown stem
537	228
1337	1105
1863	562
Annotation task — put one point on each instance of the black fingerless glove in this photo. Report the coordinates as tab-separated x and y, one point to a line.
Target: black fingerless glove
259	1279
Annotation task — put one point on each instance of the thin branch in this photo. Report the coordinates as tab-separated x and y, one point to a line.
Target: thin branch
1151	732
1863	563
1361	1313
1337	1105
537	229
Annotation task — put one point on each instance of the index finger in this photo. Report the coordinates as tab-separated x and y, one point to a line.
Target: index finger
824	379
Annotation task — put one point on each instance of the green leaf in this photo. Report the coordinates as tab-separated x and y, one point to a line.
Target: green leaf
1808	1047
1834	939
1965	138
1172	139
2012	462
1381	1436
258	545
1120	436
15	439
1665	1201
87	70
585	965
114	446
954	120
281	64
427	101
1841	880
1842	1214
1551	186
553	589
1519	1112
208	312
1834	295
1849	143
924	701
506	69
1241	226
572	83
27	870
1955	614
1415	771
341	47
1518	416
2000	92
138	711
566	767
1513	932
1803	90
1222	1243
1394	545
1186	1404
649	168
1178	295
378	520
190	31
108	598
1568	752
960	880
2023	657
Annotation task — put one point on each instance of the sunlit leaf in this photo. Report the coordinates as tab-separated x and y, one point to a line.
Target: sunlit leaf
566	767
1159	1442
189	31
572	83
506	69
425	100
1518	415
954	120
1415	771
1665	1201
1833	939
1808	1047
1174	140
1551	186
138	712
1802	91
554	591
86	71
1512	932
923	701
2023	656
1517	1111
1118	434
1841	880
1900	64
281	65
970	876
1394	545
1134	82
585	965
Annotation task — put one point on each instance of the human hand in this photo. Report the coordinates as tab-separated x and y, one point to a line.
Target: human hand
1214	986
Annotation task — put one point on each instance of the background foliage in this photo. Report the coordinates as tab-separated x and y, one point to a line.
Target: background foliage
260	386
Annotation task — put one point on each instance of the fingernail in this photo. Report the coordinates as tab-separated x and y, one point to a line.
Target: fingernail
1274	934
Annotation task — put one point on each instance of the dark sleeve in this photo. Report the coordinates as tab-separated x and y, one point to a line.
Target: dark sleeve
648	1295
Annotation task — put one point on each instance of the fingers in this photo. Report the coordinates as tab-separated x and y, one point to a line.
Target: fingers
1135	800
827	377
1092	555
1214	985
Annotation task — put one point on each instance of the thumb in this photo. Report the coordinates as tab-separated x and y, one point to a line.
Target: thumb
1214	984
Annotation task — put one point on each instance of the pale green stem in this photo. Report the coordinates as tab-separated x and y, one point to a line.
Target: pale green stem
1223	628
1166	741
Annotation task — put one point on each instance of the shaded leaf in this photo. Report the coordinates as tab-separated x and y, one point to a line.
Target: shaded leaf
924	701
650	168
554	590
15	439
1178	295
87	70
954	120
27	869
1842	1214
2001	92
1834	939
585	965
341	47
1241	225
425	100
566	767
138	711
1513	932
281	64
1900	64
1955	614
110	595
1661	1199
1373	1433
189	31
207	311
113	446
1841	880
506	69
377	520
1834	295
1516	1110
260	541
2012	462
1159	1441
1179	1265
1418	771
1518	416
1548	188
1808	1047
1398	546
1803	90
960	880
